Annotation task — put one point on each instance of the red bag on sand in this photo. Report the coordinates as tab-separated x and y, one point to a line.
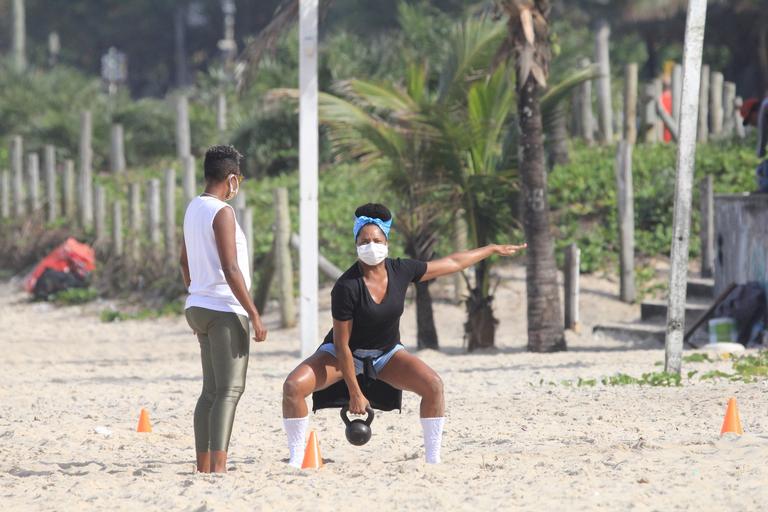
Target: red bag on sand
71	256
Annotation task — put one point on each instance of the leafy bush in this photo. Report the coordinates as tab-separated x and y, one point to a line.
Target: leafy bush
583	196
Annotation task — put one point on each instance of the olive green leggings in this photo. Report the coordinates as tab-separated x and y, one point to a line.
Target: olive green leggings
224	345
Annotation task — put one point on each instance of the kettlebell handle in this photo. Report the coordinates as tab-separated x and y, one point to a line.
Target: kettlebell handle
347	421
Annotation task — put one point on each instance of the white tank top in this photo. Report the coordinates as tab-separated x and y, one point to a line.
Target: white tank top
208	288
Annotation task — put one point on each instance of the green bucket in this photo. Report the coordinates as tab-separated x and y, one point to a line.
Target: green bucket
722	330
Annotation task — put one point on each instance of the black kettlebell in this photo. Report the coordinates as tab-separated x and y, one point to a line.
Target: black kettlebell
358	431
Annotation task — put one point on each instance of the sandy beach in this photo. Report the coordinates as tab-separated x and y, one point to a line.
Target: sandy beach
517	436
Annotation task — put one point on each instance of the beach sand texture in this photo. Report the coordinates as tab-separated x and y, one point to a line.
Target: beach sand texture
512	441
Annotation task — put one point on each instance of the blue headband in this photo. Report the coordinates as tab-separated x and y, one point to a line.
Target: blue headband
364	221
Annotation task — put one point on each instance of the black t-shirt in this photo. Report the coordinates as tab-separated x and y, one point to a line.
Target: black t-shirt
374	326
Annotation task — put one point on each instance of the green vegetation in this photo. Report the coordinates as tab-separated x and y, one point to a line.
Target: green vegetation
172	308
75	296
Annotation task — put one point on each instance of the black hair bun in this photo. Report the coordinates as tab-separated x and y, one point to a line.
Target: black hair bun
374	211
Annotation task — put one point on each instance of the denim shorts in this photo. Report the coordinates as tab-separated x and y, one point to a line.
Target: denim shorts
380	358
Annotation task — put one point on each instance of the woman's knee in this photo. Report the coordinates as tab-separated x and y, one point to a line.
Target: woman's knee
293	388
433	387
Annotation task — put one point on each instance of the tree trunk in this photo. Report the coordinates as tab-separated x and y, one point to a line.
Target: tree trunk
426	333
420	246
480	328
545	320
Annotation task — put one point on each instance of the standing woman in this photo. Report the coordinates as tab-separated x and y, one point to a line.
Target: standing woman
214	263
366	303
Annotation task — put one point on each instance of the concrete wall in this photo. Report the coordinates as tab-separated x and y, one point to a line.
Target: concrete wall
741	240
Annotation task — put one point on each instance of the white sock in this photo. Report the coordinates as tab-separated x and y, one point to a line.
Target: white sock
433	438
296	429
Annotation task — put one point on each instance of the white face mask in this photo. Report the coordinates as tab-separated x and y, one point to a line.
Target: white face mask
372	253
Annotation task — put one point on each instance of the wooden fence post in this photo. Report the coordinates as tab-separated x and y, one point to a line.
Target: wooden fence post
68	186
630	103
658	90
604	109
17	175
716	102
677	91
86	170
188	178
100	200
5	196
170	215
625	201
729	114
134	219
650	133
283	260
703	129
183	141
460	291
571	282
117	149
221	115
153	216
52	200
738	126
586	120
33	183
707	227
248	232
117	228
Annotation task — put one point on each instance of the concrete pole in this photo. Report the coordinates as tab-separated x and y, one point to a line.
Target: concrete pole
703	120
604	106
33	183
86	170
308	169
117	149
686	153
183	139
171	250
625	200
630	103
51	197
19	36
283	260
68	190
17	175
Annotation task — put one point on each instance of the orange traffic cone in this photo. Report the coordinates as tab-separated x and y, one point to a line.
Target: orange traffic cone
312	457
144	425
732	422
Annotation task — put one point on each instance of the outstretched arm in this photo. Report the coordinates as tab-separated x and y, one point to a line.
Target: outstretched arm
461	260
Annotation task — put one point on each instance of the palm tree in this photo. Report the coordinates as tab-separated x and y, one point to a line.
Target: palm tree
528	39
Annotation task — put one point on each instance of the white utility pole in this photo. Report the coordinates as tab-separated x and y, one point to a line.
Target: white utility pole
686	153
308	164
